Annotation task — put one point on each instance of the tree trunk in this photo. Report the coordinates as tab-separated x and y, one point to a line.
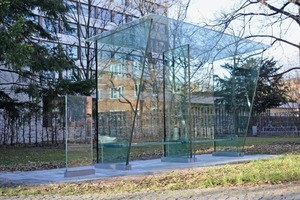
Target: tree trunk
29	131
36	127
23	129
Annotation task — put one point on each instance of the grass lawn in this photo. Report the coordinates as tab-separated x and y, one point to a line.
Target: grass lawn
23	155
52	157
271	140
282	169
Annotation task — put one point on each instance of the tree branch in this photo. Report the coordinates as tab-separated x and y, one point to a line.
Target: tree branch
282	73
281	10
276	39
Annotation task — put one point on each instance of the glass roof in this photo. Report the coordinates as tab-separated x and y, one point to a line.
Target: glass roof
157	34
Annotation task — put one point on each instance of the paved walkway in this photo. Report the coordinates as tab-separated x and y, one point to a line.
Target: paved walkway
148	167
141	167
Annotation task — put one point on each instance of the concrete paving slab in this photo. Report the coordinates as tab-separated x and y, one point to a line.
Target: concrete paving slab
139	167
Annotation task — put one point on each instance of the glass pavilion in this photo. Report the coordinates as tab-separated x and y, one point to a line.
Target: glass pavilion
159	86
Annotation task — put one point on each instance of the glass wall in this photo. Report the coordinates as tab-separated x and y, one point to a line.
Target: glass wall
158	87
124	84
234	91
178	136
79	137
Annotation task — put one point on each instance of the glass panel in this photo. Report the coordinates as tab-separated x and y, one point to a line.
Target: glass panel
78	131
132	104
134	37
177	103
121	60
234	92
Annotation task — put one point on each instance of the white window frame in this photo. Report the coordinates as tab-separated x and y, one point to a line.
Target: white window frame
50	25
104	14
100	94
136	89
117	70
154	89
118	18
73	51
117	92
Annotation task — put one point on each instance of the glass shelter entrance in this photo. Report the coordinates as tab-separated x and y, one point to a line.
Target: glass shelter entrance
170	85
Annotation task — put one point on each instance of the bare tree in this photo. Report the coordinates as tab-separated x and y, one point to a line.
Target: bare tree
270	21
92	17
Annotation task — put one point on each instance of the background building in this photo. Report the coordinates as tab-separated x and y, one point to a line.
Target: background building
85	18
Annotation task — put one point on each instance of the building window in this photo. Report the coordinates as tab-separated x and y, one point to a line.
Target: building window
84	10
116	92
135	62
82	31
100	75
104	14
160	28
119	58
154	89
177	88
92	31
69	75
34	19
93	11
83	52
158	45
48	74
117	123
118	18
136	89
104	58
72	51
117	70
100	94
50	25
123	2
74	30
48	45
71	4
105	55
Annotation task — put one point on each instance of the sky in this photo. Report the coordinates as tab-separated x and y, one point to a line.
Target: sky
201	10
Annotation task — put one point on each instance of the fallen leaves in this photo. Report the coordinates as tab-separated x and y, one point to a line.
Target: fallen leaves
272	148
30	166
156	153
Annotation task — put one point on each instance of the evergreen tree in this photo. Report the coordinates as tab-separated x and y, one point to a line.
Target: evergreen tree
269	91
25	61
238	87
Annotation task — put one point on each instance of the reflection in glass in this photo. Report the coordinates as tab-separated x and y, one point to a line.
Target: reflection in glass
161	87
79	139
